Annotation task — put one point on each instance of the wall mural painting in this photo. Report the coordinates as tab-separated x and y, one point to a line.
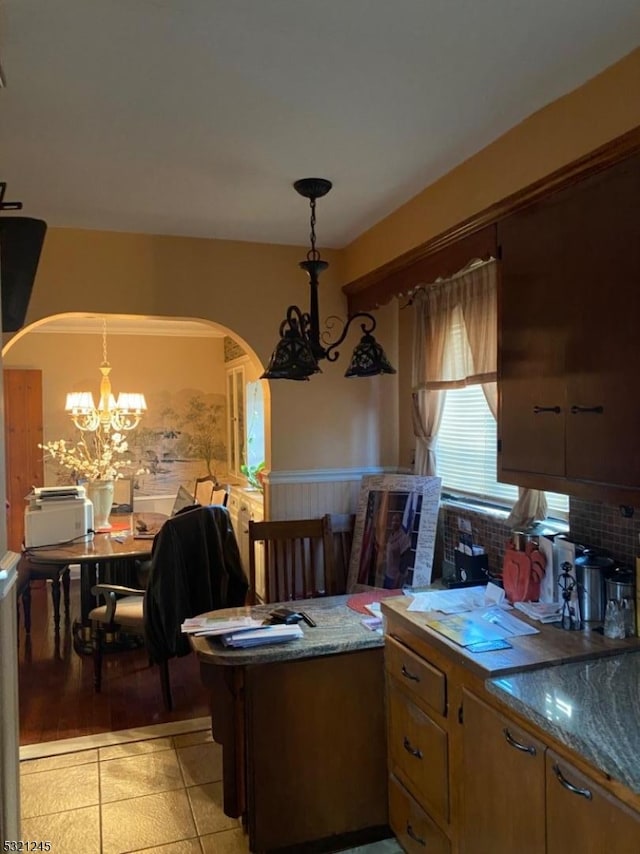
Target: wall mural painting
395	532
184	438
181	437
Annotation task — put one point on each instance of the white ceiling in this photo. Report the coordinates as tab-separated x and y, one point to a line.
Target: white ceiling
194	117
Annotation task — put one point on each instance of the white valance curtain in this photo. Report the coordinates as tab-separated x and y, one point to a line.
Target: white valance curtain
455	344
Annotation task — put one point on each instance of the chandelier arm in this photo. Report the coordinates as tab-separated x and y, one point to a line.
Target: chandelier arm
295	317
367	328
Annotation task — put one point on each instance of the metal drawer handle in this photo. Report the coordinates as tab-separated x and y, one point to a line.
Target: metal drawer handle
597	410
411	832
409	675
564	782
526	748
414	751
538	409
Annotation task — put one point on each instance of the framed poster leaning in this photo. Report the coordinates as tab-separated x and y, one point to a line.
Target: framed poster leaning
395	532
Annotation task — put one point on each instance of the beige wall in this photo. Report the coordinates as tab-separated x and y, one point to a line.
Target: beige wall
601	110
329	422
168	371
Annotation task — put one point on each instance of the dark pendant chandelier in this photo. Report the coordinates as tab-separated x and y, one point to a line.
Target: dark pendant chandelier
302	346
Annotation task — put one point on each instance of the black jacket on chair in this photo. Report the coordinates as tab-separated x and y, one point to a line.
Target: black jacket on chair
195	567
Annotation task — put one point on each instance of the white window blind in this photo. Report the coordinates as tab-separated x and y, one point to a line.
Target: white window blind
466	451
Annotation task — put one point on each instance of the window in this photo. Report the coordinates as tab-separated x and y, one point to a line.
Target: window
466	452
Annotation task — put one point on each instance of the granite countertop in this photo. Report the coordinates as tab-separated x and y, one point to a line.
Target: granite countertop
338	629
592	707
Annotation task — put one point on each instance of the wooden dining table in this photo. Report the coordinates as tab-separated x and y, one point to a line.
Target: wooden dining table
109	556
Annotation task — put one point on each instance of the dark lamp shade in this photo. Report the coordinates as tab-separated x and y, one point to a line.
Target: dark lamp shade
292	359
368	359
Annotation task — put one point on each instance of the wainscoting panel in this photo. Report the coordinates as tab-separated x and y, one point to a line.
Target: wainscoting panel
309	494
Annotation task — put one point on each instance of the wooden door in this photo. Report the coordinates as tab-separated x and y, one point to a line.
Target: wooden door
23	432
583	817
503	784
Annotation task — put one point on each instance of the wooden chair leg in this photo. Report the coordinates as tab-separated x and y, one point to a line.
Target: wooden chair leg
26	607
165	685
66	588
98	642
55	595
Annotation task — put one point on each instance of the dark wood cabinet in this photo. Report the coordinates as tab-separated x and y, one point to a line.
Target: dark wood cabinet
569	309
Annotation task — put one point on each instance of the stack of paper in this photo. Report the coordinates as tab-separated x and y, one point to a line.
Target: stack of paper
545	612
212	626
261	636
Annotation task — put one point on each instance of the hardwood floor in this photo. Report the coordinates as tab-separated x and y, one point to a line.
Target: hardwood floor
57	698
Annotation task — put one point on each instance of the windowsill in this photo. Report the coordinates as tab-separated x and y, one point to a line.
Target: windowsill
491	511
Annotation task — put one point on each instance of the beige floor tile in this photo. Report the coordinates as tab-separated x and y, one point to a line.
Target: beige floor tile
384	846
187	846
226	842
135	748
206	803
201	763
189	738
152	820
65	760
59	790
75	830
139	775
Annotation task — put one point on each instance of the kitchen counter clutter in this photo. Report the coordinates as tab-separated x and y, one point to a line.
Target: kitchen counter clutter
593	707
530	748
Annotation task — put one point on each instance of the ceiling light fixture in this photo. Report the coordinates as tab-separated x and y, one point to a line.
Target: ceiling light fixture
301	344
125	414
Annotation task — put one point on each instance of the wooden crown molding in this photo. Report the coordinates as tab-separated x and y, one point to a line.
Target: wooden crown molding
476	236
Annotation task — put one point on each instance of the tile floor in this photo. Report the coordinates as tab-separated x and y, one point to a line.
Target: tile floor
156	790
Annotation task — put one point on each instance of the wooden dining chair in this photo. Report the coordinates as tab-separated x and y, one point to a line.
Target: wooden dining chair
290	559
207	490
341	527
203	489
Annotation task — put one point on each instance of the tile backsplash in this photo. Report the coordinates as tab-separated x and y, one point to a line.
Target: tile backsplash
598	525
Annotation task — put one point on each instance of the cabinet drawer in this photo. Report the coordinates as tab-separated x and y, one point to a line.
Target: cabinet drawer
419	753
413	828
418	676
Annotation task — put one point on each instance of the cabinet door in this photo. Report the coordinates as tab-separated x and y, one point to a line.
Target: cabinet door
569	360
602	256
534	311
583	817
502	785
236	418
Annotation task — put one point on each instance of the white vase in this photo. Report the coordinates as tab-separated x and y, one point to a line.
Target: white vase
100	493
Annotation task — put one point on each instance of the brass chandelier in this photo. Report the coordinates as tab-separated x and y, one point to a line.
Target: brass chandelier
302	346
121	415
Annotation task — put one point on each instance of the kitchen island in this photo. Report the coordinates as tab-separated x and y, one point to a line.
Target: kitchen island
302	728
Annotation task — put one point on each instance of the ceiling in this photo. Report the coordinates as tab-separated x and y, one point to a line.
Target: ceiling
194	117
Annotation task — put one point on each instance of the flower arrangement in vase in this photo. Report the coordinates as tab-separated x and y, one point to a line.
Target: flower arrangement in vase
97	459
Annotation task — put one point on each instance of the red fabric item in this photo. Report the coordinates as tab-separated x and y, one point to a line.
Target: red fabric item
522	573
359	601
